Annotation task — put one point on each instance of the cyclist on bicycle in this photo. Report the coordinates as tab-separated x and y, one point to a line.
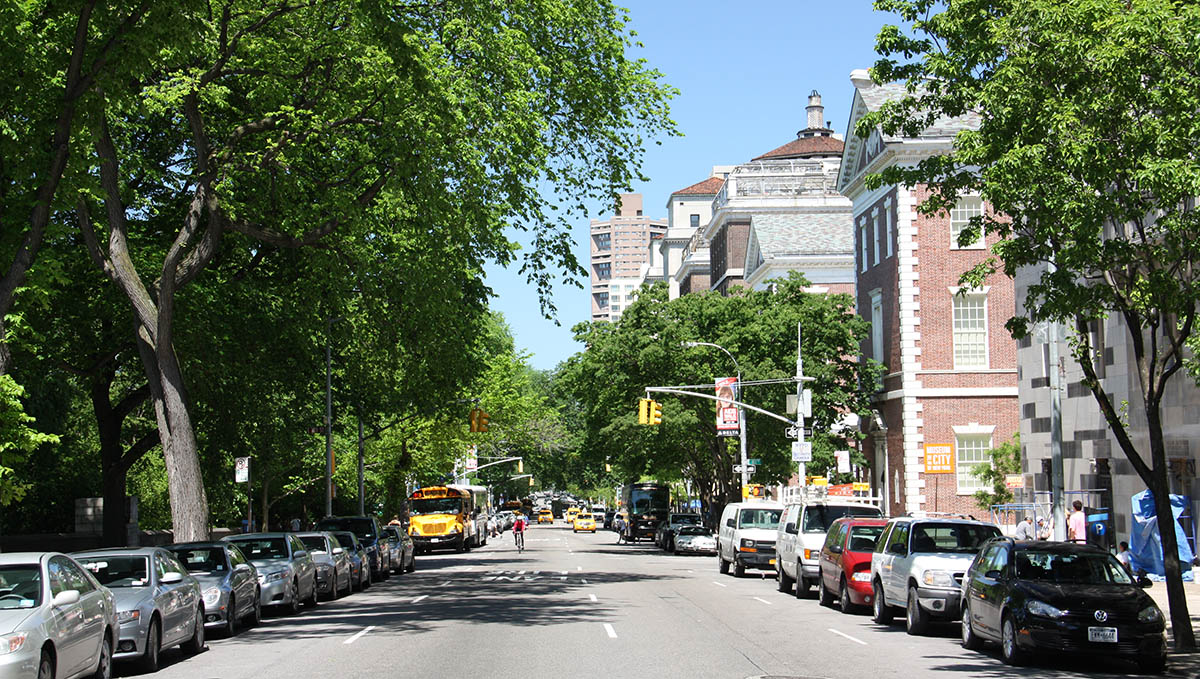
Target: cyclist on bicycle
519	530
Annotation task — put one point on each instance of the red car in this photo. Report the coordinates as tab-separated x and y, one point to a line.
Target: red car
846	562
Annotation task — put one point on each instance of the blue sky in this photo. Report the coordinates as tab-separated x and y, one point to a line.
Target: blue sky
744	71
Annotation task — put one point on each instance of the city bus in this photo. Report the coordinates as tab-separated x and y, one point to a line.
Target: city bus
646	505
446	517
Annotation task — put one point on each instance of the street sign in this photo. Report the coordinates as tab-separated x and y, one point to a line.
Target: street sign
1014	481
754	460
801	451
750	469
793	432
316	430
939	458
843	461
241	470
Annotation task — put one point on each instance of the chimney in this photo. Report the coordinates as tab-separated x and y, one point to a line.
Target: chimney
816	112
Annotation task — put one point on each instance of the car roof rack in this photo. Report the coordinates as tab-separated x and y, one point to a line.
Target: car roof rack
922	514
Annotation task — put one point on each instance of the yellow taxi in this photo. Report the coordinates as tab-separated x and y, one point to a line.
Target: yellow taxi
572	512
545	516
584	522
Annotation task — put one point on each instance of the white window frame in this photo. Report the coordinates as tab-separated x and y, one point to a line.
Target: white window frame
960	215
862	237
877	324
957	297
887	220
875	235
974	441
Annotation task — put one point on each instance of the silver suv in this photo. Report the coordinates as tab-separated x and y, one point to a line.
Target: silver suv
918	567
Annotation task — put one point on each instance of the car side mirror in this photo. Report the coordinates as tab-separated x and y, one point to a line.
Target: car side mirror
1143	581
171	578
790	528
338	550
899	549
993	575
729	522
241	567
836	549
67	597
299	553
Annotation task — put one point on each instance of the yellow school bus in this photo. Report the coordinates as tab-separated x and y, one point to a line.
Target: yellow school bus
443	517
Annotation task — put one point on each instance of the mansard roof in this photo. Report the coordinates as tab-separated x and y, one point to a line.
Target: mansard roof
708	187
781	234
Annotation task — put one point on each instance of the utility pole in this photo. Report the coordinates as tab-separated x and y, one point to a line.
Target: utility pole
742	431
799	403
1056	456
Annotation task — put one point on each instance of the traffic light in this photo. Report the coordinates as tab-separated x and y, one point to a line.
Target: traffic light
607	467
481	421
520	466
644	410
655	412
531	480
473	419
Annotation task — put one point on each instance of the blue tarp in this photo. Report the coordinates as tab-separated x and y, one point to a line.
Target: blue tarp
1145	543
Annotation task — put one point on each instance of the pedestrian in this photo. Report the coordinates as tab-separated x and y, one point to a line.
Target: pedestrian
1043	529
620	529
1025	529
1125	556
1077	524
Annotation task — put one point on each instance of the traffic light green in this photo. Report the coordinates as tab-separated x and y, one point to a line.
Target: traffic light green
644	410
655	412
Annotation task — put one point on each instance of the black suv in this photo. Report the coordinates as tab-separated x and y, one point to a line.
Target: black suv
1059	597
366	528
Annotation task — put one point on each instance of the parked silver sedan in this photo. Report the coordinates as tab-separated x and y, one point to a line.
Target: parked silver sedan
333	564
286	573
56	620
228	581
360	573
158	604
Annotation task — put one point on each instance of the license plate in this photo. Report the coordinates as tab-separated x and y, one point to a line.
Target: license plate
1107	635
772	562
436	540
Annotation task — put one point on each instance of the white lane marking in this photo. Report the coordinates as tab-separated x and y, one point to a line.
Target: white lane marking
583	580
691	571
579	568
843	634
564	572
612	633
593	596
356	637
418	599
520	572
763	600
447	582
719	584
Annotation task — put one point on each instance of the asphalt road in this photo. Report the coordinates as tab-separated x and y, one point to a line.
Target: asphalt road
582	606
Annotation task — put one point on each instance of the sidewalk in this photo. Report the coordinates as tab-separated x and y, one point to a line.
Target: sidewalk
1180	664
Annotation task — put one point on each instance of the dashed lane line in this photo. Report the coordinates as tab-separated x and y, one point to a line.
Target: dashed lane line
444	583
359	635
719	584
583	580
612	633
763	600
418	599
592	596
843	634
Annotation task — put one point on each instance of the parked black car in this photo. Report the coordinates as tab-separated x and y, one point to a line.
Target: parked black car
366	529
1059	597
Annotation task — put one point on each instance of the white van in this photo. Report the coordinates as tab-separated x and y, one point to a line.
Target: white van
746	537
801	534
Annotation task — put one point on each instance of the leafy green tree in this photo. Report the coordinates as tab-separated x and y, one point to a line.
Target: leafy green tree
1005	459
337	124
17	439
1085	148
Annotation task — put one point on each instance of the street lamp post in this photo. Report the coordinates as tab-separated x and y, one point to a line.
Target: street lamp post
741	411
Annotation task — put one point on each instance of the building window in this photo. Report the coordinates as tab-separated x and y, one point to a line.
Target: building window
876	326
970	451
695	221
639	213
875	232
970	330
604	270
862	238
602	300
887	220
604	242
960	218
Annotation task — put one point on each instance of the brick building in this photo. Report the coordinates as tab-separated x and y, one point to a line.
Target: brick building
951	366
619	248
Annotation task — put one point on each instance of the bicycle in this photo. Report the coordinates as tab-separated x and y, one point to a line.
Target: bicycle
519	536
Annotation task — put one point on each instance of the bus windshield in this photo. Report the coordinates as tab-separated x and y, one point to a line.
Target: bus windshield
441	505
650	501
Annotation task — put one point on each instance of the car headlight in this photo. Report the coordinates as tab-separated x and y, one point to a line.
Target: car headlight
211	596
936	578
1043	609
11	643
747	543
128	616
861	576
1150	614
275	576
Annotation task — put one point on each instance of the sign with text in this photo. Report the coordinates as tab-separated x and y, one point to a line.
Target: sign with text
727	412
939	458
1014	481
241	470
841	490
843	461
801	451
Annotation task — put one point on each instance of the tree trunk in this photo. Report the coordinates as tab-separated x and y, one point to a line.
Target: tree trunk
115	461
1181	621
189	505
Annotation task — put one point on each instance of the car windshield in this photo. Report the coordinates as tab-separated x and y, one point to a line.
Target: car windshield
315	543
20	586
694	530
818	518
441	505
201	559
362	527
863	538
347	540
1071	568
685	519
117	571
954	538
257	549
759	518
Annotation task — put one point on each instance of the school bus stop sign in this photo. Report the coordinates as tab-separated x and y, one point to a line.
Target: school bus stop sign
939	458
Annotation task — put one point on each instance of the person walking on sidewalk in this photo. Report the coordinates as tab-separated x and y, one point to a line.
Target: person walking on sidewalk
1077	524
1025	529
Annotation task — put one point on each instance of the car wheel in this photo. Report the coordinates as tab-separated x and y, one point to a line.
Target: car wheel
195	644
722	564
915	618
844	602
739	570
969	640
293	605
785	581
881	613
412	563
230	628
356	583
149	660
1013	655
46	666
256	609
824	596
103	665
